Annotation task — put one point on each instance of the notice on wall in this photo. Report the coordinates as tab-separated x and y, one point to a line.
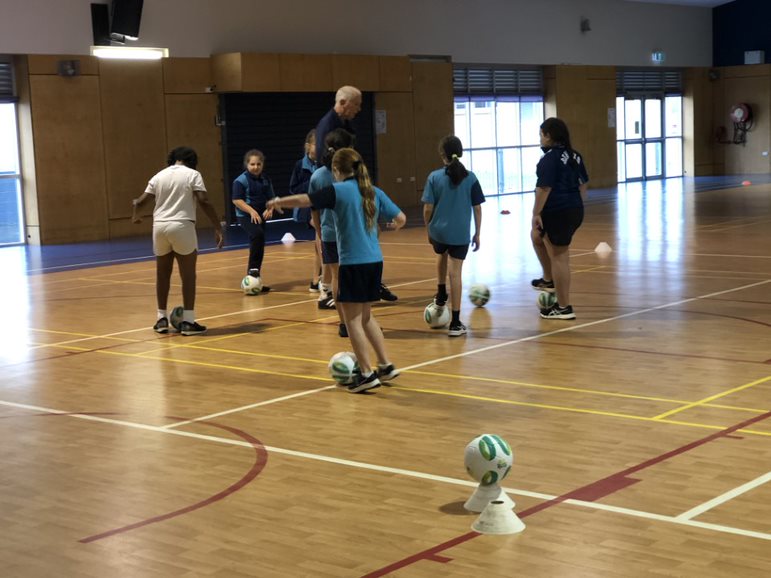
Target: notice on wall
611	118
381	122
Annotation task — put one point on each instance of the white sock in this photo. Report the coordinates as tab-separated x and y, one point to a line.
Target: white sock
188	315
162	313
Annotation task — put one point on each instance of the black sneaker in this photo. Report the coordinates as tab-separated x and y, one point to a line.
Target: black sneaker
314	287
327	302
161	326
557	312
363	383
386	295
265	289
387	372
457	330
541	284
440	300
194	328
342	330
254	272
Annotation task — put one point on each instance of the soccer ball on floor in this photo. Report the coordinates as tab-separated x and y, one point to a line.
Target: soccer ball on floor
343	367
546	299
251	285
175	318
435	316
479	294
488	459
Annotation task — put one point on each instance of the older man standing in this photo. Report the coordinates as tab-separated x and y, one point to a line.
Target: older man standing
347	106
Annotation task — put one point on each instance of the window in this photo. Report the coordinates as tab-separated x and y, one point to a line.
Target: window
11	223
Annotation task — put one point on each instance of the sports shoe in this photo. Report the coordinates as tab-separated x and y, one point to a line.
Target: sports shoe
541	284
457	330
161	326
364	383
265	289
557	312
386	295
253	272
194	328
314	287
387	372
328	302
342	330
440	300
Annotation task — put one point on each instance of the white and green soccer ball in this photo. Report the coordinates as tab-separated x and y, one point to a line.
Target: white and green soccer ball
435	316
251	285
488	459
479	294
175	317
546	299
343	367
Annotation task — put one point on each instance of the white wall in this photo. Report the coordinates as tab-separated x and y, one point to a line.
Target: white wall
474	31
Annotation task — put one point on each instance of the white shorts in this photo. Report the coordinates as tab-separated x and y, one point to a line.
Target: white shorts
177	236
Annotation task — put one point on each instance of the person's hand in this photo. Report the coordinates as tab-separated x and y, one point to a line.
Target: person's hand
475	242
219	238
267	214
537	223
273	205
393	225
256	218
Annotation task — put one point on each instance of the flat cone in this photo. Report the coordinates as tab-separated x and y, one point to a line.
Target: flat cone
498	518
602	248
288	238
483	495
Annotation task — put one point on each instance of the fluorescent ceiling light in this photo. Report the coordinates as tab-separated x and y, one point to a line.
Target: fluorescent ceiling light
129	52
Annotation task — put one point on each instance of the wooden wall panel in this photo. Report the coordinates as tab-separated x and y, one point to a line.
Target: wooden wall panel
260	72
226	72
190	122
395	74
186	75
583	96
698	128
134	129
48	63
433	113
396	148
306	73
361	71
69	158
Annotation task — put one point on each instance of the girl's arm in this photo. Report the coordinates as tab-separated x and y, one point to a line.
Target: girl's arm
477	226
246	208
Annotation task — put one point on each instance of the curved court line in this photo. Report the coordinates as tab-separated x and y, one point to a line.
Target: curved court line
588	493
261	459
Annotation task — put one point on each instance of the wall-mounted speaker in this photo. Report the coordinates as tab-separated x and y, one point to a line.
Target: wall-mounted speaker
100	24
126	17
68	67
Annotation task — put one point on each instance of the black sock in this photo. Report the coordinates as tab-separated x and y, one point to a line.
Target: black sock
441	292
455	318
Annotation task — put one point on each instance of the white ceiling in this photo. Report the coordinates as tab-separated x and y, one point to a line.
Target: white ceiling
698	3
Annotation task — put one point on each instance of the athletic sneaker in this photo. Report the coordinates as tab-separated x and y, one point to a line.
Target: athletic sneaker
457	330
541	284
387	372
265	289
364	383
385	293
314	287
342	330
557	312
440	300
161	326
194	328
327	302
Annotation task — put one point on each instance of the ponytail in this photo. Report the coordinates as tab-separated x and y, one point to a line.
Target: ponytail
348	162
451	149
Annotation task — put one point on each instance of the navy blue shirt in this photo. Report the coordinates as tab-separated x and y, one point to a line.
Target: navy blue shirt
327	124
256	192
556	171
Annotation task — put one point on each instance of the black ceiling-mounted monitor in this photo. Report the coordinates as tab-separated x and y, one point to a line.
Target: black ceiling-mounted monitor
126	16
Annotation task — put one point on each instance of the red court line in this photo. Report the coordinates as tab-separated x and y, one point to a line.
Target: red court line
261	459
588	493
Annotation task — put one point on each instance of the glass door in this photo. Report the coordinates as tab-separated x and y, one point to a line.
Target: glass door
11	219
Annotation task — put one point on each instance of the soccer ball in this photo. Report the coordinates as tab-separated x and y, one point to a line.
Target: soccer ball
175	318
343	367
479	294
251	285
546	299
435	316
488	459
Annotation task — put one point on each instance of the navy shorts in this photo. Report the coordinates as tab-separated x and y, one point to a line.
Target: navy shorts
559	226
359	283
329	254
455	251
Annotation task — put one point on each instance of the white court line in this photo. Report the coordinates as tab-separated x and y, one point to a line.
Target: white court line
729	495
401	472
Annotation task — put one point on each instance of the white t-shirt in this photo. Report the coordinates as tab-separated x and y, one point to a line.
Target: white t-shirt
174	197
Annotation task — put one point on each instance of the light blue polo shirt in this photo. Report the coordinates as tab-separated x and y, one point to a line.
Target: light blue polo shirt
322	177
451	222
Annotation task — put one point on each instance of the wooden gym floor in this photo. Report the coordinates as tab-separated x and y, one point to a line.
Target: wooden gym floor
641	430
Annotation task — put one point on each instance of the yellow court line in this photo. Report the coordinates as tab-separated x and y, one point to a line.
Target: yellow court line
82	334
577	410
716	396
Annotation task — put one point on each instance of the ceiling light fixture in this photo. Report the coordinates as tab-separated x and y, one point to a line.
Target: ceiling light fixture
129	52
